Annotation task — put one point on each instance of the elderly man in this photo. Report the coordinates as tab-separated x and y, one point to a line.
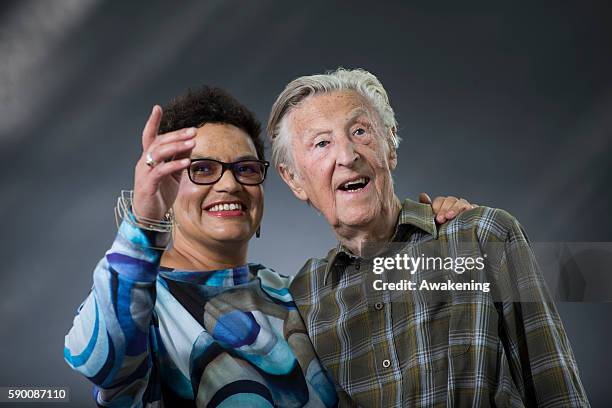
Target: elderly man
334	141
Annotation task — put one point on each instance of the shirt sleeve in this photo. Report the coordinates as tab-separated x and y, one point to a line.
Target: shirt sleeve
538	351
111	338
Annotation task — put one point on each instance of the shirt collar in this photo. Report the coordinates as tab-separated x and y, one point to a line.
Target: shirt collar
412	214
221	277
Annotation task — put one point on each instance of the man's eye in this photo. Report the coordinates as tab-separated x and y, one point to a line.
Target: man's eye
322	143
359	132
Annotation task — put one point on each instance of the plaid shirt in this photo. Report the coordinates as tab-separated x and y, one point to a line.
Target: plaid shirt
481	352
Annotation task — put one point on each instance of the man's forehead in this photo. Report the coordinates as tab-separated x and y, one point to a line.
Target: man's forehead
333	106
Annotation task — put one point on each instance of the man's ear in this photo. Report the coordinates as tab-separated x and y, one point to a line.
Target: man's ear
392	152
293	181
392	159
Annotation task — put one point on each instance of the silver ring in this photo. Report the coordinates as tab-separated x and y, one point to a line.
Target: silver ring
149	160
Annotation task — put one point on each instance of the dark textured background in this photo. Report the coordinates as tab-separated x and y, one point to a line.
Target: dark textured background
511	103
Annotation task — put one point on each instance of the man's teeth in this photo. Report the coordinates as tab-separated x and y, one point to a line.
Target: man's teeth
361	180
226	207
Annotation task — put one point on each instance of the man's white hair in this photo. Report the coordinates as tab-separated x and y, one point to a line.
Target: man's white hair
358	80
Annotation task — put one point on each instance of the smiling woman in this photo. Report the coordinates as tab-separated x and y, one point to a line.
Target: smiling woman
196	324
205	223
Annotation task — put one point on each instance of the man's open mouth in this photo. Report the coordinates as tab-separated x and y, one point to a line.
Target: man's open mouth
355	184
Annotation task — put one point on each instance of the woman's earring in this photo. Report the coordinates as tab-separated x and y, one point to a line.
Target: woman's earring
258	232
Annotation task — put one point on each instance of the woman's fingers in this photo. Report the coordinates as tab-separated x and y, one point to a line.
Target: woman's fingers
424	198
166	168
457	208
168	151
175	136
441	205
448	203
178	136
149	201
449	207
151	127
150	137
446	208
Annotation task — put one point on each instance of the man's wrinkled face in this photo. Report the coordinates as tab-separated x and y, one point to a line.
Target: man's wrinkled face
342	158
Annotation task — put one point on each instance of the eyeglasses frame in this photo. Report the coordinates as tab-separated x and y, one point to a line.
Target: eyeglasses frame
229	166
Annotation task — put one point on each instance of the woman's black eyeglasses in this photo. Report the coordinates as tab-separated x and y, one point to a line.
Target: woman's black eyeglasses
246	172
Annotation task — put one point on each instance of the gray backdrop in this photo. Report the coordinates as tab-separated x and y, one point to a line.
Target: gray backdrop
509	105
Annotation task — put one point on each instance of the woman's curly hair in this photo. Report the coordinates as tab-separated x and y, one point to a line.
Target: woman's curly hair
207	104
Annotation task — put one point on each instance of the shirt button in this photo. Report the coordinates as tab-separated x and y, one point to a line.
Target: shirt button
386	363
378	306
357	266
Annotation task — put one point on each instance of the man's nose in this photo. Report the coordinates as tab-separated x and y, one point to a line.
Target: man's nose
227	183
346	153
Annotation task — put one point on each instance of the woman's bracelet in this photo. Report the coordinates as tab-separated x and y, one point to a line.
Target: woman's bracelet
124	212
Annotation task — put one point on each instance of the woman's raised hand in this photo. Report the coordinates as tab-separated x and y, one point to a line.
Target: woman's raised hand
158	171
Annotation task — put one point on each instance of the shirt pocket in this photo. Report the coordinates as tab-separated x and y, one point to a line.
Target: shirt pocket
473	337
444	333
461	328
434	332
